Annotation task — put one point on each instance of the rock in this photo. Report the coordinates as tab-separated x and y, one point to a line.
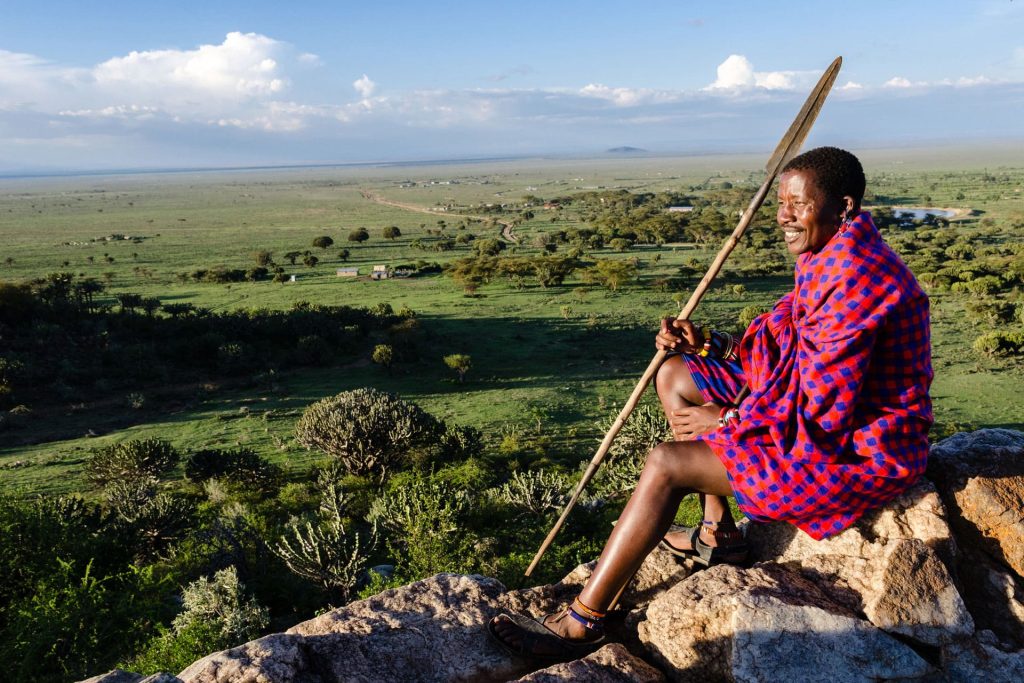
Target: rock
892	566
995	597
973	660
431	630
121	676
766	623
610	664
981	477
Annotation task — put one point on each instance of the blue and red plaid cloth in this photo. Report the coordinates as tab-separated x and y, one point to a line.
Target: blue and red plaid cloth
838	415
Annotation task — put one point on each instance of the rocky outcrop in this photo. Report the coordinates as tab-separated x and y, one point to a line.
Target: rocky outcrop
610	664
927	589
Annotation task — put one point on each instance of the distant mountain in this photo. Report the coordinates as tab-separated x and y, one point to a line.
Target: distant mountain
626	150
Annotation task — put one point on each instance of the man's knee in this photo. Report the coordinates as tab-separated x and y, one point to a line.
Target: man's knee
670	458
669	377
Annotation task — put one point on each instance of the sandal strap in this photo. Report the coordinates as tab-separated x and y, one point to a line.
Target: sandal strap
711	528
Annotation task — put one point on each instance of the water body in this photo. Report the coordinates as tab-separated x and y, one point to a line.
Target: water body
913	213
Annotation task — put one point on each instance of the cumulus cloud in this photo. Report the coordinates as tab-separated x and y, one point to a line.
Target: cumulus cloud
737	72
852	85
364	86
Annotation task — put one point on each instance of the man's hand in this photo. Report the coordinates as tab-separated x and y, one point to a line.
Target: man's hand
679	335
689	423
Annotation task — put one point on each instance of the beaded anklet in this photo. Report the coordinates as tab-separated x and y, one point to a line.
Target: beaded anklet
591	619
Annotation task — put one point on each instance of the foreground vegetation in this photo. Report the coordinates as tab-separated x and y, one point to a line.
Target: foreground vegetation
195	449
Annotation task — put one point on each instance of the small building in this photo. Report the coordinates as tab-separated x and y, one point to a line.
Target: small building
293	278
380	273
348	272
680	209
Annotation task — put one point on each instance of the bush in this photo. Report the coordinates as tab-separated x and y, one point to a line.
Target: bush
370	432
748	314
241	466
644	430
216	616
359	235
999	343
131	460
423	518
323	242
536	493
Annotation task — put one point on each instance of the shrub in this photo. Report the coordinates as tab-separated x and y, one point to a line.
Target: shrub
131	460
370	432
423	517
216	616
748	314
323	242
240	466
537	492
999	343
359	235
644	430
461	443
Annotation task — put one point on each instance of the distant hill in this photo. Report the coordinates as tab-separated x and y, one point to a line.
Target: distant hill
626	150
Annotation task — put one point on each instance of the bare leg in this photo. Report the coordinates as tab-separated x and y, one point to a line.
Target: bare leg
672	470
676	389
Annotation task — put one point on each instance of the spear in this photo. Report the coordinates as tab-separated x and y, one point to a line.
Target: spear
786	150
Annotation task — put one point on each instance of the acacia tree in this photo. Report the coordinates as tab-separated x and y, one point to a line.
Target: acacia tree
322	242
460	363
344	254
310	260
391	232
292	255
359	235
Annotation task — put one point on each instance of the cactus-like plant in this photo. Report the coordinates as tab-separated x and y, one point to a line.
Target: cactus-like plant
370	432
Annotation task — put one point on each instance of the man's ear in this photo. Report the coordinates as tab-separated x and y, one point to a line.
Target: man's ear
850	207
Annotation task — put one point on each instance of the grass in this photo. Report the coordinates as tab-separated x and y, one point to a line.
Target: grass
573	352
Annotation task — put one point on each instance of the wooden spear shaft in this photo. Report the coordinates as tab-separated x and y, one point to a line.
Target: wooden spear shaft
787	149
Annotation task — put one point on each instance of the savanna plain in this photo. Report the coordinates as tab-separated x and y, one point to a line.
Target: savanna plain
216	421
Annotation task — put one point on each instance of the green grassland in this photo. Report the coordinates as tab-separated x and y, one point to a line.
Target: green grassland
562	357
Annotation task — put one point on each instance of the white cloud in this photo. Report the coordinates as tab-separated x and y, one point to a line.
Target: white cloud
852	85
242	66
737	72
364	86
310	59
901	83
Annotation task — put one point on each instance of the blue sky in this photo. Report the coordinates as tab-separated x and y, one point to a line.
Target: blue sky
154	84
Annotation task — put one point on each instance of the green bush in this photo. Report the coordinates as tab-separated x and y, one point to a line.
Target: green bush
240	466
216	615
136	459
370	432
999	343
748	314
423	518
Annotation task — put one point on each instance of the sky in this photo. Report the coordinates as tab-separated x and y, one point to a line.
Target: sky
143	84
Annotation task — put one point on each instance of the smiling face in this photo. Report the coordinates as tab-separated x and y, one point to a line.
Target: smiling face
807	217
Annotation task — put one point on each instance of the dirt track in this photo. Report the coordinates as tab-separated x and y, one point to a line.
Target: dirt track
506	226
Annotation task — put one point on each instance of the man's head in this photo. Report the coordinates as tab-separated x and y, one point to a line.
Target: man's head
818	190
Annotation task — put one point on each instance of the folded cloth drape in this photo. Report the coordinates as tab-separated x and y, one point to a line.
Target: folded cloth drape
838	415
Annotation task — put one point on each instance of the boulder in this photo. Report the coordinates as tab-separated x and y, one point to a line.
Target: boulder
431	630
766	623
995	597
892	566
610	664
970	660
981	477
122	676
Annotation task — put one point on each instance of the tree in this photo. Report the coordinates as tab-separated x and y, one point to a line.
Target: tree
263	258
391	232
310	261
150	305
344	254
383	354
460	363
129	301
489	246
359	235
323	242
292	255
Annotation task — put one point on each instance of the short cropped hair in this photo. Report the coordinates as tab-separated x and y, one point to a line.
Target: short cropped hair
838	172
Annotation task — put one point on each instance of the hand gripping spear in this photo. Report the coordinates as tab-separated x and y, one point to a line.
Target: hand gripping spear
786	150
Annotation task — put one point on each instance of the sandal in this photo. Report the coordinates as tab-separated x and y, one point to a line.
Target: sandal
733	551
533	633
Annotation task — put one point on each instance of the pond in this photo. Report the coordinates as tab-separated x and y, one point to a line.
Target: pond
919	213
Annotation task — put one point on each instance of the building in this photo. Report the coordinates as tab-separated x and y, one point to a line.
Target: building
348	272
380	273
680	209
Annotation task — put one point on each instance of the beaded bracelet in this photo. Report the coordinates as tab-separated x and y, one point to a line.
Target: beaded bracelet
726	414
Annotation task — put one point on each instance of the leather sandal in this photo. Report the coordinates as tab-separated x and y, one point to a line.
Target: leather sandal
554	648
732	548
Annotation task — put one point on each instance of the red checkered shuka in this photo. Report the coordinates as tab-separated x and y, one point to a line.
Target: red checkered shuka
837	419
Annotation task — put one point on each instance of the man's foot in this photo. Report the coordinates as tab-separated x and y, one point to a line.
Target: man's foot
557	637
708	544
